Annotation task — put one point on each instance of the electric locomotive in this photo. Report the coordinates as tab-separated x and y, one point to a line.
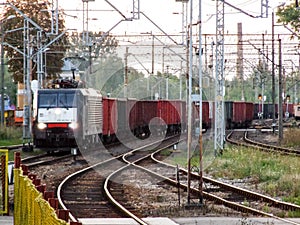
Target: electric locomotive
60	120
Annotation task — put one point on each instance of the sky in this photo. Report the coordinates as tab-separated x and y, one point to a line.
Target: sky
165	16
160	16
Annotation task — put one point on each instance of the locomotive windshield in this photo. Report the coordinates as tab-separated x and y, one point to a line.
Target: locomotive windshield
66	100
48	100
57	100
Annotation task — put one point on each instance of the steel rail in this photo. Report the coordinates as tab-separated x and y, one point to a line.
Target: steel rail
245	192
221	200
113	201
262	146
276	148
129	164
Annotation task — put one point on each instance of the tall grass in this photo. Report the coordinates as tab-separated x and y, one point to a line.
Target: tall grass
274	174
10	135
291	137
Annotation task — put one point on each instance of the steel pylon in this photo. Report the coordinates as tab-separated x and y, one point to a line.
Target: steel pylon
219	79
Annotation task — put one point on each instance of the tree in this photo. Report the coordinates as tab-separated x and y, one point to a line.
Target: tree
96	59
253	85
107	74
289	15
10	87
99	45
39	12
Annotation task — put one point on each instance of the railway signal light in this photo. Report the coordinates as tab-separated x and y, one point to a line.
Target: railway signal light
259	97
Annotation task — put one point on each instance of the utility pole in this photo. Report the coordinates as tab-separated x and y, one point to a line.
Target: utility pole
27	89
273	75
263	77
239	63
152	56
189	102
39	57
54	18
264	8
85	21
200	107
2	75
219	81
136	10
126	73
280	113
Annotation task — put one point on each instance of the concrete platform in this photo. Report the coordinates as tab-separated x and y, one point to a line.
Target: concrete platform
125	221
192	220
9	220
6	220
235	221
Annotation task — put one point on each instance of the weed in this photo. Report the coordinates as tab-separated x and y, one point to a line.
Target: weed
266	208
294	214
275	174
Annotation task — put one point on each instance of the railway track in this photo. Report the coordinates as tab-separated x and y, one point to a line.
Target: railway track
83	193
11	147
115	191
222	193
241	138
44	159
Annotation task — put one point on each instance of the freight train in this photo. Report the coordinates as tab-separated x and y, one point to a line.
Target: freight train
68	117
266	111
240	114
237	114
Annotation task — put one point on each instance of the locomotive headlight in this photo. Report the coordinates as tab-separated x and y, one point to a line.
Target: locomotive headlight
41	126
57	111
73	125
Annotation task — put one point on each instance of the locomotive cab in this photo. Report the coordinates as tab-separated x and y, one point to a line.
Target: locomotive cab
56	118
